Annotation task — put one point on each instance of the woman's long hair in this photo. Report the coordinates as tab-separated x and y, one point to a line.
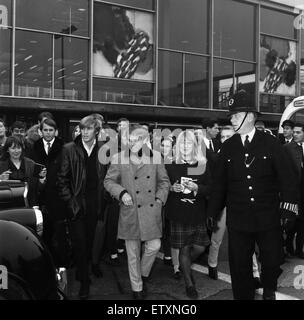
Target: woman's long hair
12	141
197	154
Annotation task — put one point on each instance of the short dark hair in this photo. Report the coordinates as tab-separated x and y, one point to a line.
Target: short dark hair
300	125
288	123
2	120
50	122
18	124
209	123
12	141
45	114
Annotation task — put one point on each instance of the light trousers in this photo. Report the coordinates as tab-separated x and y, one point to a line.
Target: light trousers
140	266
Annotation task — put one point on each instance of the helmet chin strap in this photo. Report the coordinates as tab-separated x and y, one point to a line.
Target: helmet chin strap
242	122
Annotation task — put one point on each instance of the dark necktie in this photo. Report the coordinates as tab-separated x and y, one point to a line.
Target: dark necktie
211	145
48	147
246	142
302	154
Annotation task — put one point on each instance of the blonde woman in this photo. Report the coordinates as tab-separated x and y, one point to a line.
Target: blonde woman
190	185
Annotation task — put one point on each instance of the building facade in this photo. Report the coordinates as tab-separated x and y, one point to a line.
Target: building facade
164	61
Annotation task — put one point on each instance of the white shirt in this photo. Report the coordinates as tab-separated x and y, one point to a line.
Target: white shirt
45	144
249	134
288	140
207	143
89	150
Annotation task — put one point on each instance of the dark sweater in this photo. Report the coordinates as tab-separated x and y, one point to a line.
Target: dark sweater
178	207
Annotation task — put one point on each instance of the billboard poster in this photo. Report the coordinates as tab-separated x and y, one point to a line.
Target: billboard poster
123	43
277	66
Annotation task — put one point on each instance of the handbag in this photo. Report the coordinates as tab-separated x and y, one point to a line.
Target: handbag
62	244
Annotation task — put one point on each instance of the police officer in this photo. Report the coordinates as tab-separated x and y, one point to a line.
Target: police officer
252	179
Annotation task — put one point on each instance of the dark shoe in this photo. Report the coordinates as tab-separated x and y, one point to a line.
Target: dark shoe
97	271
138	295
84	290
299	255
269	294
191	292
145	289
212	273
257	283
113	262
168	262
177	275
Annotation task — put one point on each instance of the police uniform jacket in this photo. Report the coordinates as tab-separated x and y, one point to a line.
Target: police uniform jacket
252	182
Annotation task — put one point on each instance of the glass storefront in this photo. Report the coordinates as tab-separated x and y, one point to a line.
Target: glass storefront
5	62
149	52
62	16
234	34
176	30
33	67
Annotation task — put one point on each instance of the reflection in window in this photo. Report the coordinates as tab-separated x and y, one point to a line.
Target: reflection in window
5	13
222	83
71	68
144	4
196	81
234	35
122	91
64	16
277	23
5	61
33	64
302	65
183	25
245	77
123	43
273	103
278	67
169	78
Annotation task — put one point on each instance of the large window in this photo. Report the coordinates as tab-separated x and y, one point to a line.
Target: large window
33	64
196	81
234	31
64	16
277	23
245	77
123	91
183	25
302	64
71	68
170	79
5	61
222	83
273	103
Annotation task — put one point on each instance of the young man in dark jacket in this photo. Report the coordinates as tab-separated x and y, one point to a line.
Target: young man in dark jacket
80	182
47	151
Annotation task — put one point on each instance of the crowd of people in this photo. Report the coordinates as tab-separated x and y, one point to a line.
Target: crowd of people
179	198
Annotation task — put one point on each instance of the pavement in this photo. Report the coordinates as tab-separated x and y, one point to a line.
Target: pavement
115	284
